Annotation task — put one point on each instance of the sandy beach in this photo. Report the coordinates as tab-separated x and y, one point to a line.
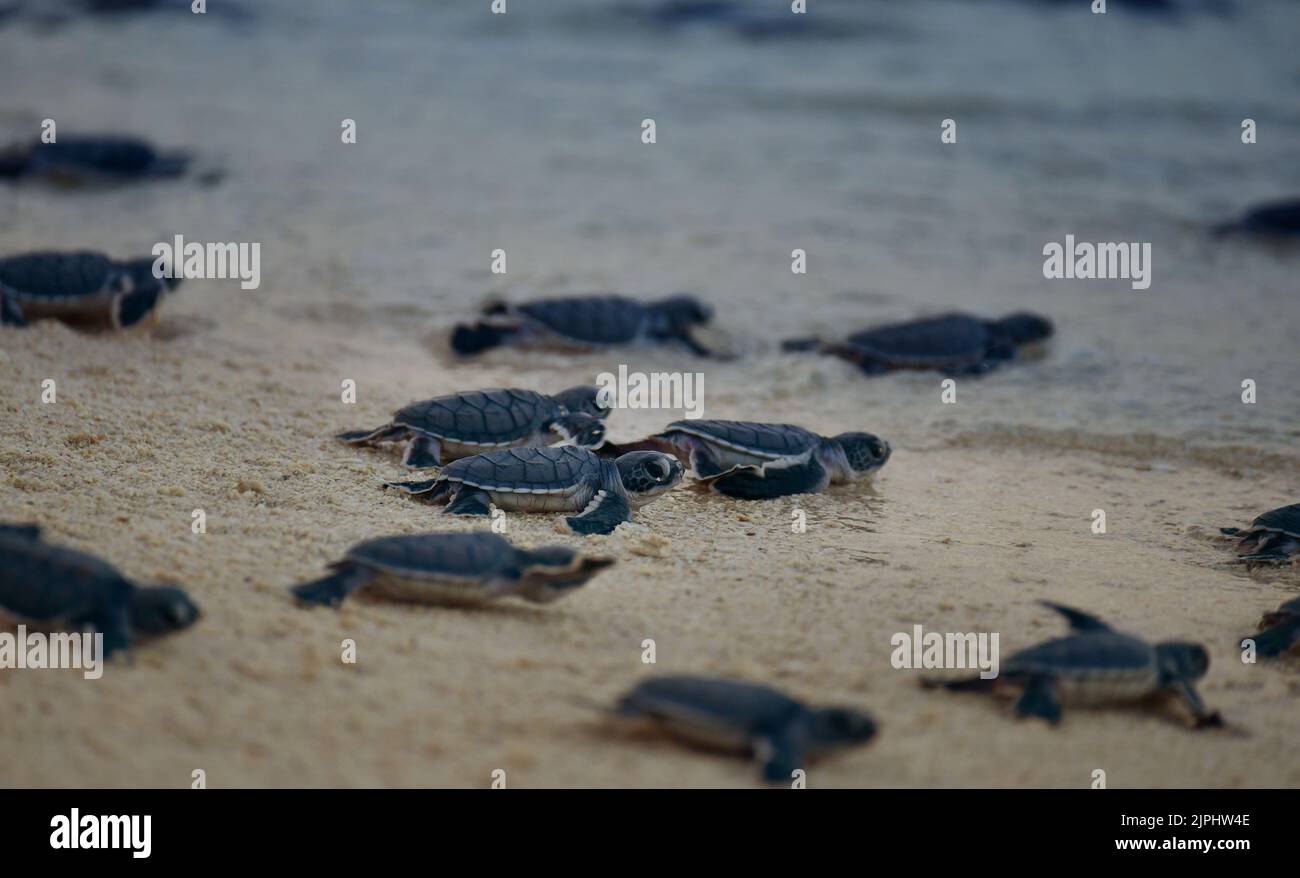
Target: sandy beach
524	134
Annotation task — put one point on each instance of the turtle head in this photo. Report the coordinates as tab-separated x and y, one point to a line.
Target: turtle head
647	474
160	609
682	310
584	399
551	572
1182	661
584	431
833	726
1023	328
865	452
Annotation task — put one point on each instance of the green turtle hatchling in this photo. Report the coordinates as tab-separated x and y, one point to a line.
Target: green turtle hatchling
458	425
57	587
1094	665
728	715
1279	631
84	289
563	479
752	461
1272	538
454	569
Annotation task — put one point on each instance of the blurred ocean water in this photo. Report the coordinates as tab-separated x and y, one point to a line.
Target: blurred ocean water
522	132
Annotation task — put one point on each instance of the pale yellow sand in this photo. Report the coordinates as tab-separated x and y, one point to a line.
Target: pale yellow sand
955	535
476	133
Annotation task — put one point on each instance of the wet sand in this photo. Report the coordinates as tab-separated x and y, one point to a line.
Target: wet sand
369	255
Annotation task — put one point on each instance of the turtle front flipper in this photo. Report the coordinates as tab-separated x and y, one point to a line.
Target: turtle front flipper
1187	692
331	590
780	756
423	452
1039	699
470	501
1278	638
771	480
606	511
133	307
1079	620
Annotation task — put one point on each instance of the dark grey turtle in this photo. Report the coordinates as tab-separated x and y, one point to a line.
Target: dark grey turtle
1095	665
564	479
777	730
452	568
60	587
954	343
82	288
74	160
1278	219
584	322
759	461
1272	538
1279	631
458	425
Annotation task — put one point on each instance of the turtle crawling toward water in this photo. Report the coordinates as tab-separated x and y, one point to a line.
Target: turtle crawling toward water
1279	631
458	425
563	479
753	461
58	587
1272	538
78	160
957	344
777	730
82	288
584	322
1095	664
452	568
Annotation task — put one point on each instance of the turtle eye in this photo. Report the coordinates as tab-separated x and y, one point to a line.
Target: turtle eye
657	470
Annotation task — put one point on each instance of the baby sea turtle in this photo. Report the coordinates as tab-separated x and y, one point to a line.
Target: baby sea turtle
563	479
777	730
1279	631
584	322
452	568
1095	665
80	288
458	425
1273	538
953	343
76	160
60	587
1278	219
759	461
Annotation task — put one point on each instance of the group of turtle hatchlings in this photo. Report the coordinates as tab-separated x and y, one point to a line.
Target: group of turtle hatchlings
525	451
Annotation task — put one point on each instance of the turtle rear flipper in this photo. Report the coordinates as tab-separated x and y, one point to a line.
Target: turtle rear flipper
467	340
423	452
1277	639
330	590
1039	699
771	480
386	433
602	515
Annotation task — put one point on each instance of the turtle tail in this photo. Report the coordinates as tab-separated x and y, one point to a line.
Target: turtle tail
329	590
1278	639
467	340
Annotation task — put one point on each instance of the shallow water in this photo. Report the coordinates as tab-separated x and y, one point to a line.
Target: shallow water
522	132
